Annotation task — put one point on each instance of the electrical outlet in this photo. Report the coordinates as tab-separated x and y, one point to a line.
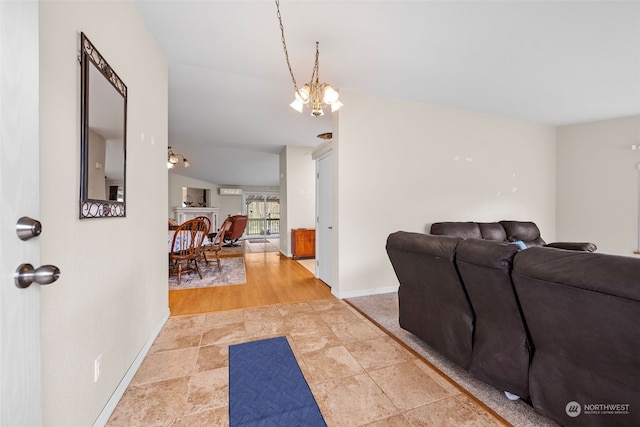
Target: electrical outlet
97	368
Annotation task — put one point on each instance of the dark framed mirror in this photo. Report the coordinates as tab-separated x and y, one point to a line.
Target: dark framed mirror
103	136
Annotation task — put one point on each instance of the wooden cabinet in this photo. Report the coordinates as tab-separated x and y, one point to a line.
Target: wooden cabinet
303	243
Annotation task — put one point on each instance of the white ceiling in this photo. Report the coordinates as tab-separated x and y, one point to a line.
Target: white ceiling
550	62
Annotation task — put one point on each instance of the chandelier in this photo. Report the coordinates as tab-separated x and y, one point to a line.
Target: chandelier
174	158
314	94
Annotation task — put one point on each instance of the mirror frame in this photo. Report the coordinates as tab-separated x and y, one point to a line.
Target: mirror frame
93	208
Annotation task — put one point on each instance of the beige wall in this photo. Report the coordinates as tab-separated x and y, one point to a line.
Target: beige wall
297	194
112	296
229	206
598	184
423	164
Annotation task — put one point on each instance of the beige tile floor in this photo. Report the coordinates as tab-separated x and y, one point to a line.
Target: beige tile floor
254	245
358	375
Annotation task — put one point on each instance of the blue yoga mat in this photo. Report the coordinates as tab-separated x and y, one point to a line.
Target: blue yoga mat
266	387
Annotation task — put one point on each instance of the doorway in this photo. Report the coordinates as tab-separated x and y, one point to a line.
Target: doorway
324	209
263	224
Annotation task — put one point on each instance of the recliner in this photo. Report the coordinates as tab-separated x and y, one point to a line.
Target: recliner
582	312
501	345
433	303
238	225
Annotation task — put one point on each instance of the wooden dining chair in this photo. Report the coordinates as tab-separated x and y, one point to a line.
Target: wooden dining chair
218	240
201	249
187	238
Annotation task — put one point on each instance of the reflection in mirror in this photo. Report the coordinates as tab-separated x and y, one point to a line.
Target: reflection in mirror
195	197
103	135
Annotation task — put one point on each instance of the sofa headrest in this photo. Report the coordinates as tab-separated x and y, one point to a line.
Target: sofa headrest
603	273
436	246
525	231
466	230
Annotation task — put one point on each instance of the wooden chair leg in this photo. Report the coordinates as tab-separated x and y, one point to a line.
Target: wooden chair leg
195	261
218	261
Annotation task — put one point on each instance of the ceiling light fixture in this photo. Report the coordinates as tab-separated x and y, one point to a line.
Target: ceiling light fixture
174	158
314	94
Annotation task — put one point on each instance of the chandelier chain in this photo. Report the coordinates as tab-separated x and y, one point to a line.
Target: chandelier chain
316	67
314	94
284	45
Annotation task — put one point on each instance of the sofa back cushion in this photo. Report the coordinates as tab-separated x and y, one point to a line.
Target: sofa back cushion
492	231
524	231
465	230
433	304
501	347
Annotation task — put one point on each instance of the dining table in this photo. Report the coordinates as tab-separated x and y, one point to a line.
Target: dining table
185	234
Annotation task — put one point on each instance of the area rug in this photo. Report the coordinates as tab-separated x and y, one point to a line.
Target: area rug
267	388
233	273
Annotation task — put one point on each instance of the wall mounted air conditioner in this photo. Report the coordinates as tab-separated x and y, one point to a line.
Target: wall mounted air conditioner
231	191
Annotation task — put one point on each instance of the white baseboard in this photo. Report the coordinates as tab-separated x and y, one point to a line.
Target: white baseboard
108	409
364	292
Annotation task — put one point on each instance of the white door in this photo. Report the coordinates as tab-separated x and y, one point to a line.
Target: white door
20	389
324	228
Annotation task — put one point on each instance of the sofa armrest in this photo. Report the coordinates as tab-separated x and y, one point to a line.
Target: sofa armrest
574	246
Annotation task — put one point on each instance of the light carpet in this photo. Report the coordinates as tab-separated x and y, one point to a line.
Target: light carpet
233	273
383	309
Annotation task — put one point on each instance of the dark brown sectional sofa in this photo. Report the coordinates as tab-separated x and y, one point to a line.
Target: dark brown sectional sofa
558	327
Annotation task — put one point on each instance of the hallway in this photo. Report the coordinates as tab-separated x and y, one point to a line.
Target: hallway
357	373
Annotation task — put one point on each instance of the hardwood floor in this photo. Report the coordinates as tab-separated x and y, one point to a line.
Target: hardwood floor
271	279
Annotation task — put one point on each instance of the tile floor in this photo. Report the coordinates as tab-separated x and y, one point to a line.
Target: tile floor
246	246
358	375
